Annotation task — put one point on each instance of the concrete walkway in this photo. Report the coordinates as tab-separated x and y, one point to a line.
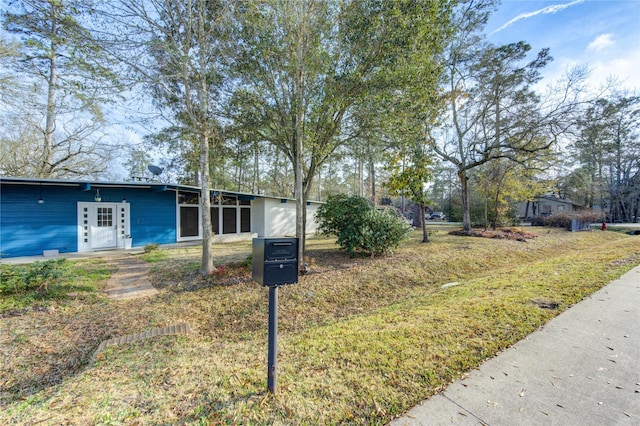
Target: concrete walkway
131	280
582	368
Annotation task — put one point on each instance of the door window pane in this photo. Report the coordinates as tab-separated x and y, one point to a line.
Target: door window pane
105	217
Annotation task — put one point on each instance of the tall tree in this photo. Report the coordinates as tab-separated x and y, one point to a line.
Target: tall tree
608	147
177	49
63	58
307	63
493	111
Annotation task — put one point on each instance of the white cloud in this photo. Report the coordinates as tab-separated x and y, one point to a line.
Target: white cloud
544	11
624	70
601	42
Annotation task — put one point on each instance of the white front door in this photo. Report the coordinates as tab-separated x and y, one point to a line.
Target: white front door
102	225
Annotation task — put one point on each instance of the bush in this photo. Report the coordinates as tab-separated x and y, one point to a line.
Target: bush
360	228
37	276
564	219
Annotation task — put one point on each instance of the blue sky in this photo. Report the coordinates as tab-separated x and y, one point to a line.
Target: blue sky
603	34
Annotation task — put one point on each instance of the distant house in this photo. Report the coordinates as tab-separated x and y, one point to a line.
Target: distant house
40	216
545	206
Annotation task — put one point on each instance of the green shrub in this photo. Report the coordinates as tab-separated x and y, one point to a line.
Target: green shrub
151	247
37	276
359	227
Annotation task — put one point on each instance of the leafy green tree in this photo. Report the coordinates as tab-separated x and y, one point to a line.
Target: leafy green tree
501	184
305	65
609	150
410	173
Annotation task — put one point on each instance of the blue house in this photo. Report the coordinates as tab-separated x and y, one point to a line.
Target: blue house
45	216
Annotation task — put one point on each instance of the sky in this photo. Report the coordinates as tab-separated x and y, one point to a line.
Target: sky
602	34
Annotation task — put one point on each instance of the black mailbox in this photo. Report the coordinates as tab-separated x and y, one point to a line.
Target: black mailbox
275	261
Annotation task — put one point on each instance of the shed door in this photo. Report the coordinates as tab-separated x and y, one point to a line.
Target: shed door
104	226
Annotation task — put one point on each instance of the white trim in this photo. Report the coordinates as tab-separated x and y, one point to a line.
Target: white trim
86	217
178	205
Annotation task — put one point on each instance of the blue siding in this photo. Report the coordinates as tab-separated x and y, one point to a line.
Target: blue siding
27	228
153	217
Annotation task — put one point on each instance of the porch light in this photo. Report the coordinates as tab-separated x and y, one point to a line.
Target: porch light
97	198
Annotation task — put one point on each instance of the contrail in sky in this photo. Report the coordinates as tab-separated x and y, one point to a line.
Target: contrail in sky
544	11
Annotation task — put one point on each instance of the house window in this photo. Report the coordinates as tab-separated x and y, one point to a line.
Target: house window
188	221
228	214
245	219
229	225
215	220
229	200
188	198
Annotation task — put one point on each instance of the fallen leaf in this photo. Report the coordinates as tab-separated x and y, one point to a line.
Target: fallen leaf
522	392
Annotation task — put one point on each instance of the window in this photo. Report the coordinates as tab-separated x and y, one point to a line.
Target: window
229	200
189	221
188	197
215	220
105	217
229	221
229	214
245	219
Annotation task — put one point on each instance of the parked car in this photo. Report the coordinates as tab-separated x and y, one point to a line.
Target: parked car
438	216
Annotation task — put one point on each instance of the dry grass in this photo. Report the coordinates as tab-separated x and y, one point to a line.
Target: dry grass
361	340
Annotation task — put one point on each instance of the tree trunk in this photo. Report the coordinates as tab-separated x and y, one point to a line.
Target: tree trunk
372	178
466	214
425	234
299	190
494	221
50	123
206	267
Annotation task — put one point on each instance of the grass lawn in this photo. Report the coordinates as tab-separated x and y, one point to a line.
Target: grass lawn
360	340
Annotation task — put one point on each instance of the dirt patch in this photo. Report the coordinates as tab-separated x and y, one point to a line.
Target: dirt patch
502	233
546	304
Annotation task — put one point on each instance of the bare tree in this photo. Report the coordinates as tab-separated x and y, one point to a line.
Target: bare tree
70	79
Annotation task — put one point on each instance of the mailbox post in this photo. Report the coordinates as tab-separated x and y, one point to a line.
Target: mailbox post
274	263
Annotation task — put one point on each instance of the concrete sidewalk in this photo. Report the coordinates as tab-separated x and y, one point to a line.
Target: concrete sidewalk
582	368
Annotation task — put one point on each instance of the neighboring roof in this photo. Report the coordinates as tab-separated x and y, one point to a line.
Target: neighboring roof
158	186
557	200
